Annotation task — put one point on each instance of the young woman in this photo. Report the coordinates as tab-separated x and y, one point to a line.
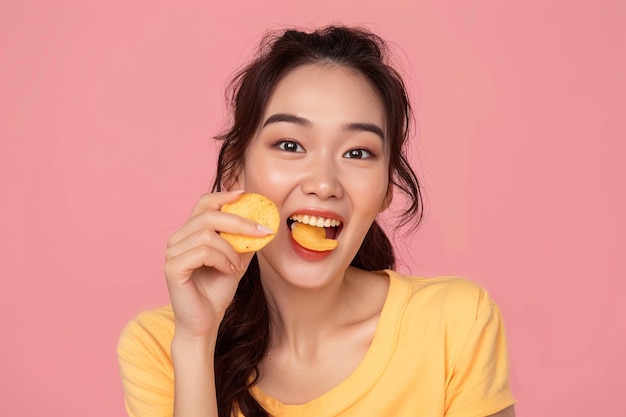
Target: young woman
319	124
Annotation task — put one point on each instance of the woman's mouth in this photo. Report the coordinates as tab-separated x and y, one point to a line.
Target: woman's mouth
331	226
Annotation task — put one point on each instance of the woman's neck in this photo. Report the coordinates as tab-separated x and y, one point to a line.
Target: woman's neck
319	336
303	317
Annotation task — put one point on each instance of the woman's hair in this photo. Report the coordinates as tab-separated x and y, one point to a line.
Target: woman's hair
244	335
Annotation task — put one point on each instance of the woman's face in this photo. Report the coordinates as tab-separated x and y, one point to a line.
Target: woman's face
320	151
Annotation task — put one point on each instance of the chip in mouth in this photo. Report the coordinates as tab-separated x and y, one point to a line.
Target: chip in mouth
319	237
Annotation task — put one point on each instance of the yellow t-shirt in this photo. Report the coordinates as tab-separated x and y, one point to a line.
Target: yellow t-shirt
439	350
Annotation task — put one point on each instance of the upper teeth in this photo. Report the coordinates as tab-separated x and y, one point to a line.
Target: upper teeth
318	221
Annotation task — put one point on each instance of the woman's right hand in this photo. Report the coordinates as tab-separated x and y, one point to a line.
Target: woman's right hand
202	269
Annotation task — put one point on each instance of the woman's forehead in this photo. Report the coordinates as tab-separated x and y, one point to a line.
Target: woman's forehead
326	93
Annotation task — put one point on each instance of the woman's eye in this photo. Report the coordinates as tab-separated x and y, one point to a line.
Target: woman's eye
358	153
289	146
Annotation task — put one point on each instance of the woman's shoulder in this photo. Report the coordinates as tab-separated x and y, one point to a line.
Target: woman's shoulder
151	329
447	308
145	362
453	295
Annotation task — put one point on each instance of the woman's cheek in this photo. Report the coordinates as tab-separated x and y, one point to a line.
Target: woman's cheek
267	176
371	183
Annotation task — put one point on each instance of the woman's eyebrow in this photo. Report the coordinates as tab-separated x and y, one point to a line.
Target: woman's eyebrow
301	121
365	127
289	118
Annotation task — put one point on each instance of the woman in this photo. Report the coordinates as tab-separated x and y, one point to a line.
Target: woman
319	125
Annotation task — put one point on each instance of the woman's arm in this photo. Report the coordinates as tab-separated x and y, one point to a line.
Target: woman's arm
202	272
194	378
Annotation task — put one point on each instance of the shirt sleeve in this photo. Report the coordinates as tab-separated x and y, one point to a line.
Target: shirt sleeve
146	367
478	384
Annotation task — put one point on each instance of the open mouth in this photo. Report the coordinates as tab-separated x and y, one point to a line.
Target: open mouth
332	227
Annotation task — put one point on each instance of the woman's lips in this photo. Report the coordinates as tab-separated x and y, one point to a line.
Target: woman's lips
308	254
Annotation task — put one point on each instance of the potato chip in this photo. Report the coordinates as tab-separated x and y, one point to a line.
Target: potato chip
312	237
258	208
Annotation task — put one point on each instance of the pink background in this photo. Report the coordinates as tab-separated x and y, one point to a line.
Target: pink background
106	113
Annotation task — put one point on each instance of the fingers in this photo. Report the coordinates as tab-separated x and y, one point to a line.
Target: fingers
204	247
198	243
216	221
214	201
180	268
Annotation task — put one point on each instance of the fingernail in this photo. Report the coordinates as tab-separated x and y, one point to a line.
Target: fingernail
237	191
264	229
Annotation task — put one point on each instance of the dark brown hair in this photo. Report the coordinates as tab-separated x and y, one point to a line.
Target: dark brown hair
244	334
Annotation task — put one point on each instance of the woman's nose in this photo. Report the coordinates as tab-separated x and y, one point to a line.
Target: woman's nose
322	180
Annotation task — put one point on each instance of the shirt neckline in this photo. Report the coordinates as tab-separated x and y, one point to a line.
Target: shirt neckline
366	373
